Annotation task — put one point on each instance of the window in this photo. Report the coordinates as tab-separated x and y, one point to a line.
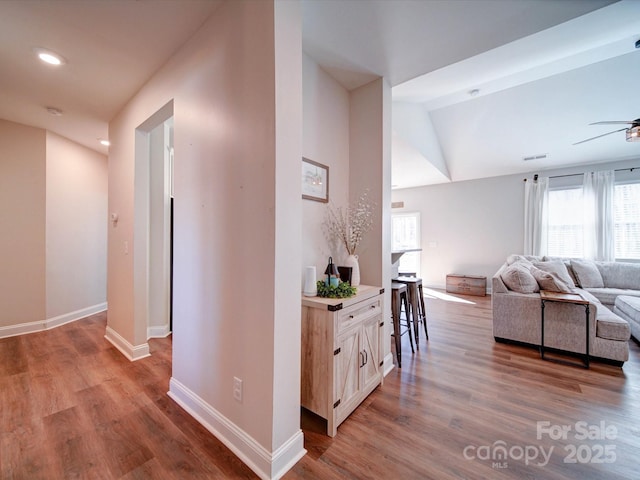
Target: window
405	229
627	221
565	232
565	223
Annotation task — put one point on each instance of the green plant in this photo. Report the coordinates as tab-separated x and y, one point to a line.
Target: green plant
343	290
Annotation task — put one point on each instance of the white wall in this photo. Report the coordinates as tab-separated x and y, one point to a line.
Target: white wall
471	227
466	227
370	170
53	199
22	222
236	263
325	140
76	228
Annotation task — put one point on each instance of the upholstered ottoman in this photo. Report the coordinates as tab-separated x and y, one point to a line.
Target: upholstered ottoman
628	308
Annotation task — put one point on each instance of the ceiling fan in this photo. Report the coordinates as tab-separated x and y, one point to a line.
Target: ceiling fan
633	132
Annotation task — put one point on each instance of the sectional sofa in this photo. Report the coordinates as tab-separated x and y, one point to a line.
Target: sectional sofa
517	306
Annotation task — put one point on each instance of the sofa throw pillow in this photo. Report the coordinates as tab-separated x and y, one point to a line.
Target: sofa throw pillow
559	268
515	258
551	281
587	273
518	278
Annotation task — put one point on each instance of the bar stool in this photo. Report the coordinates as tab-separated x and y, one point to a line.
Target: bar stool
416	301
399	298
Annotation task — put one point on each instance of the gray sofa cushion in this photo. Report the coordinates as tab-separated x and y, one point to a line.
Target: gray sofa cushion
559	268
587	273
519	279
611	326
608	295
630	306
620	275
608	324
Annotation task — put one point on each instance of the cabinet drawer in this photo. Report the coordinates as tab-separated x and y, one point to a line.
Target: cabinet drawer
357	313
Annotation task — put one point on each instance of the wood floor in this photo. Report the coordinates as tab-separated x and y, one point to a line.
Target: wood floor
73	407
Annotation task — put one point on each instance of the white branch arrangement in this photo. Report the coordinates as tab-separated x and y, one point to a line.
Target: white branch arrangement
349	225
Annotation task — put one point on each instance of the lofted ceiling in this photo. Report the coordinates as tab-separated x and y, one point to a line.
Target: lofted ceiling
544	69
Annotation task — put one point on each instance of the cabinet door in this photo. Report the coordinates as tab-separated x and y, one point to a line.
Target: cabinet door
370	371
346	374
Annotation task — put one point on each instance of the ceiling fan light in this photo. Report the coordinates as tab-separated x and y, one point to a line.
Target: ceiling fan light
633	134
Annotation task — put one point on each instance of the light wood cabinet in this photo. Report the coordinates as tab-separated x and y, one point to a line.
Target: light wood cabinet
341	359
467	284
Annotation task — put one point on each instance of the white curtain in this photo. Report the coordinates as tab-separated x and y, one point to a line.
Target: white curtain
598	191
536	204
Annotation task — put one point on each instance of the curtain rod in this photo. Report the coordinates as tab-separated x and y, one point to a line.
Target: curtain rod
535	177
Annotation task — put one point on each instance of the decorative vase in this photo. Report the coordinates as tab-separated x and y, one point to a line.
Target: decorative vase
352	261
310	288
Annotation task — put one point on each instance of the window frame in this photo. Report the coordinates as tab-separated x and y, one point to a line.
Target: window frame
625	180
416	254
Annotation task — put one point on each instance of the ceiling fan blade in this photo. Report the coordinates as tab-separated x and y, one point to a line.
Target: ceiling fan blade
614	122
603	135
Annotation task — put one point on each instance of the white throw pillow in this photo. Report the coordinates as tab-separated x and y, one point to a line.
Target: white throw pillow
515	258
518	278
551	281
587	273
559	268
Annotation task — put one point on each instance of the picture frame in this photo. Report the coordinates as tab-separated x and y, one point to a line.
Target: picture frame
315	181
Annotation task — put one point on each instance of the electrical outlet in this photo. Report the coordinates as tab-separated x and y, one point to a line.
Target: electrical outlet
237	389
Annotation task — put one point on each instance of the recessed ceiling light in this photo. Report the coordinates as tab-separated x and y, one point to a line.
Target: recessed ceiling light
104	142
49	57
56	112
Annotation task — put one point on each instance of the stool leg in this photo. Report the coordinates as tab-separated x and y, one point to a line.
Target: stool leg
424	311
403	299
395	313
415	313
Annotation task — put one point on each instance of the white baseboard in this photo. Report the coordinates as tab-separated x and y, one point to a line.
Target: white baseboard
40	325
132	352
161	331
267	465
388	364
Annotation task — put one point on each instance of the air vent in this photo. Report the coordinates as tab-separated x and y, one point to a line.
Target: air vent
540	156
397	204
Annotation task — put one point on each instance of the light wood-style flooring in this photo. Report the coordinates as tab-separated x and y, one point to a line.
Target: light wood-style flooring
71	406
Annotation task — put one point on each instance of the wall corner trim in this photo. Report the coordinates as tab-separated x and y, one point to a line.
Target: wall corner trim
161	331
388	364
132	352
267	465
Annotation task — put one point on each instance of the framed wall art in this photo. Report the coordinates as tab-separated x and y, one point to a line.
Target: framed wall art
315	181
